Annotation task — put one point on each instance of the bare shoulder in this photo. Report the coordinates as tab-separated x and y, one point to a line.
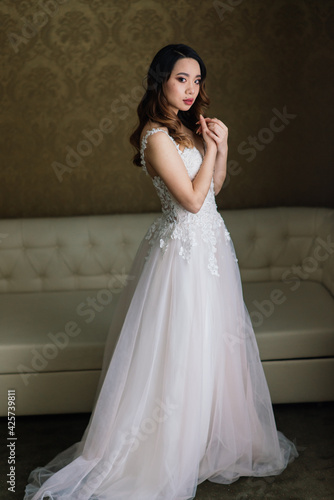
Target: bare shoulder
151	125
159	144
159	149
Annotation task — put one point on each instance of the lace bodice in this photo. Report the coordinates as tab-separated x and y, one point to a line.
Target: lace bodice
178	223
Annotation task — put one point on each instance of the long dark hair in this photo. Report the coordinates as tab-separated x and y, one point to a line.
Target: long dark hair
154	105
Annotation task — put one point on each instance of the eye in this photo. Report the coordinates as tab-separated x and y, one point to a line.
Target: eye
181	79
198	81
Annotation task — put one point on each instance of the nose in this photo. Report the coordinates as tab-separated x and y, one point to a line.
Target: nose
191	88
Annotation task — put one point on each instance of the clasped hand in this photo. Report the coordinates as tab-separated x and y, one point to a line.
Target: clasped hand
214	132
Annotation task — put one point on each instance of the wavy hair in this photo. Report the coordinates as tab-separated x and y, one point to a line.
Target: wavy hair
154	105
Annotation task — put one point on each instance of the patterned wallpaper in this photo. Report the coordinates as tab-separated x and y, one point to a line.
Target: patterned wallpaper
71	79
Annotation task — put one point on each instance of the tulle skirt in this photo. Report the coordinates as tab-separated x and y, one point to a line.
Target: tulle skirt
183	397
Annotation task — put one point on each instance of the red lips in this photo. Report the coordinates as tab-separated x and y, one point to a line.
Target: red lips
188	101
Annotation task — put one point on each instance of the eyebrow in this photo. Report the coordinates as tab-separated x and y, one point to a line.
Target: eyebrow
186	74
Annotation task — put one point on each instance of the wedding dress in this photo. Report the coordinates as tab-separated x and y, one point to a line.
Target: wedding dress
183	398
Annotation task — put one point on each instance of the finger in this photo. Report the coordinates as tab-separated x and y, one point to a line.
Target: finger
205	119
203	123
218	122
199	128
214	127
218	130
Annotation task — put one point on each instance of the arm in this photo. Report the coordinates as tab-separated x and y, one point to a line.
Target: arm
219	174
167	163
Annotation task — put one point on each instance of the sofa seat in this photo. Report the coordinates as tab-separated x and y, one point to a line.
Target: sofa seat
289	330
301	326
55	337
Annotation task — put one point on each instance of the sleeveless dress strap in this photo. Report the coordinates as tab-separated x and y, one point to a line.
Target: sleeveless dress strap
144	144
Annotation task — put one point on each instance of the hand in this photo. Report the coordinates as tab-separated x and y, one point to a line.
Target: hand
207	134
217	131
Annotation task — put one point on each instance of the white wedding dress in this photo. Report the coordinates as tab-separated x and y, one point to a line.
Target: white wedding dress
183	397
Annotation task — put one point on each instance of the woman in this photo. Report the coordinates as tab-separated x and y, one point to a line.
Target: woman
183	398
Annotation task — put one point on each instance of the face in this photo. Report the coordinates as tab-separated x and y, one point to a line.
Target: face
182	87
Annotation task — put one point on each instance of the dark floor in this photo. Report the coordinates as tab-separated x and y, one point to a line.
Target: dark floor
310	477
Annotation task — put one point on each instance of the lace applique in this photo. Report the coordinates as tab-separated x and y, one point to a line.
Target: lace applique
176	222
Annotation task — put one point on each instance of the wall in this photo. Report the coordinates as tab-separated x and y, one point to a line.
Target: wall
70	67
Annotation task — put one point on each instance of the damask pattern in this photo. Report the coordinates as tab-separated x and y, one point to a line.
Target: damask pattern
72	76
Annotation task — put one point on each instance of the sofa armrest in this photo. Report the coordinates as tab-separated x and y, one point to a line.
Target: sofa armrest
327	243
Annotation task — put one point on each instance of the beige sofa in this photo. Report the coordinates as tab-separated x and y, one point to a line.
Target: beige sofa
60	280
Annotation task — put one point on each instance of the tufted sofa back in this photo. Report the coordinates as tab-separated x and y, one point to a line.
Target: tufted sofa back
88	252
285	243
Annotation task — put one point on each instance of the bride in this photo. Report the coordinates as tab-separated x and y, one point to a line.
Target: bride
183	397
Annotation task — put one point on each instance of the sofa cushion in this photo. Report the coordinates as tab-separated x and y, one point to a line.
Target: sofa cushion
291	324
62	330
67	330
